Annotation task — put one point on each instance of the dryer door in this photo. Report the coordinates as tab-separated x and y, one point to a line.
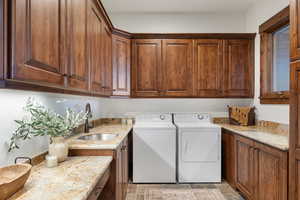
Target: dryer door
200	145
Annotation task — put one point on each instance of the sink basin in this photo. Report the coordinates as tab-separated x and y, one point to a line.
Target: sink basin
100	137
12	179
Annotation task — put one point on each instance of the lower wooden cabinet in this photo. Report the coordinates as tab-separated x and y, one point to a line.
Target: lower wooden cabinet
271	168
116	187
228	157
245	176
260	170
94	195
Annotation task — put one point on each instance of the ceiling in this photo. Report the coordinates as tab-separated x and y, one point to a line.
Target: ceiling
176	6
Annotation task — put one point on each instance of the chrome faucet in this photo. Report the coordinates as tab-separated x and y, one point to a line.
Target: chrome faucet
87	125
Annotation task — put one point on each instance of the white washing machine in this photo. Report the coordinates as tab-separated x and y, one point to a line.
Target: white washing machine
154	149
199	149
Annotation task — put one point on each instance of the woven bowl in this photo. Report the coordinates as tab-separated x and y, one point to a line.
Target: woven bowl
12	179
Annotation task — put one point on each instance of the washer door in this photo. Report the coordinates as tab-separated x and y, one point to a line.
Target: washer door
200	145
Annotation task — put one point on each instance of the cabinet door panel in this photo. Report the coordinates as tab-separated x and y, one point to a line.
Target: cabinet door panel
272	176
294	29
119	175
245	166
228	157
125	165
107	60
294	148
209	68
38	41
146	72
77	38
239	74
121	66
177	67
95	44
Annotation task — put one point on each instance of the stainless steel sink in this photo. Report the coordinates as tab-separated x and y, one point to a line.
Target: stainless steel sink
100	137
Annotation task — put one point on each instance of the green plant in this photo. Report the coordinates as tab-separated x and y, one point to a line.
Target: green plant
42	121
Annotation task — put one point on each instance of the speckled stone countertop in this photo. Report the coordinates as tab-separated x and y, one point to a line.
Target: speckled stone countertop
73	179
261	134
121	130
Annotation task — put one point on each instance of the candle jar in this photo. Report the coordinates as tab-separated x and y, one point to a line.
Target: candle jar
51	161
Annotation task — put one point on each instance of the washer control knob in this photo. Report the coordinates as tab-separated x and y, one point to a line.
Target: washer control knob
201	117
162	117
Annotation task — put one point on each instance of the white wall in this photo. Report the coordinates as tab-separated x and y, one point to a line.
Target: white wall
131	107
11	104
13	101
179	23
256	15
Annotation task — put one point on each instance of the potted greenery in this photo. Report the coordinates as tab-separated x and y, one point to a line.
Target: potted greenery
44	122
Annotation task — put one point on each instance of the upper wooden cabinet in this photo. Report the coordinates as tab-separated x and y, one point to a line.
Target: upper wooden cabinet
38	51
106	60
209	69
67	47
146	68
121	66
95	48
193	68
78	71
177	79
239	68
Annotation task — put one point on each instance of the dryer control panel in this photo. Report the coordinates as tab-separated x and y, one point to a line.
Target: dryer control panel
192	117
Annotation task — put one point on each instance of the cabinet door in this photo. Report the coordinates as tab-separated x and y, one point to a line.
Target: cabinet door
107	60
146	69
271	173
245	167
121	66
294	150
119	174
177	68
239	75
208	68
78	74
125	167
294	29
38	41
228	157
95	44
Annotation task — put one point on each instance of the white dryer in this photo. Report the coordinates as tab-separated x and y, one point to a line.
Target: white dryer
154	149
199	148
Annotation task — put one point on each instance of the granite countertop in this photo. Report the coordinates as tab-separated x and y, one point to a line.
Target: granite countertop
73	179
261	134
121	130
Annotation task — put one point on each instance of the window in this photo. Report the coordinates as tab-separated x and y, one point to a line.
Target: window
275	59
281	60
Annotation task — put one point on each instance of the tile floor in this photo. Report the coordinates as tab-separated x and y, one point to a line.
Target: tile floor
182	192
